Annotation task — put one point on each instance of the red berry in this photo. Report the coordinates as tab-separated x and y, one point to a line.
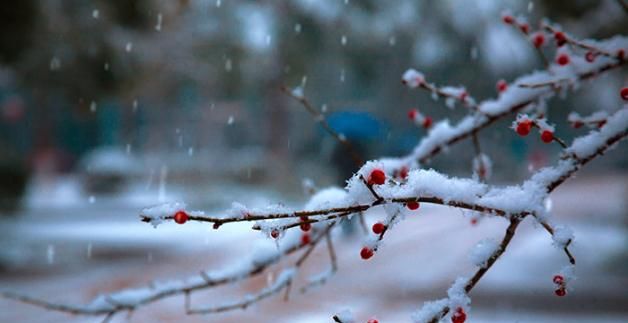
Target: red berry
306	226
181	217
378	228
538	40
547	136
501	86
508	19
459	316
589	57
525	28
562	59
427	122
366	253
621	54
377	177
412	114
560	38
274	233
624	93
412	205
305	239
560	292
372	321
523	128
558	279
601	123
403	172
463	96
577	124
474	221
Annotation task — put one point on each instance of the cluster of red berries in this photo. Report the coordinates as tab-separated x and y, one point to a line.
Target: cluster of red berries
459	316
181	217
510	20
523	129
560	285
372	321
578	124
305	224
425	121
305	227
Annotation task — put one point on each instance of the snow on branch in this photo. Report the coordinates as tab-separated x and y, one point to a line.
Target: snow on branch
528	90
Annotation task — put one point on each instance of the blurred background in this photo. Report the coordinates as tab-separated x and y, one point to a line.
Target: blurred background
110	106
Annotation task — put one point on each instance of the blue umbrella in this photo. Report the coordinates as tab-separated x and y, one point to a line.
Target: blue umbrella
356	126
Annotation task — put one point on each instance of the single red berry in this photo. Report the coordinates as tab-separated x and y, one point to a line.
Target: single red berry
366	253
427	122
306	226
601	123
372	321
412	114
560	292
216	225
562	59
305	239
547	136
412	205
482	171
181	217
621	54
560	38
378	228
474	221
459	316
523	128
577	124
377	176
303	218
589	57
538	40
274	233
463	96
558	279
508	19
525	28
624	93
501	86
403	172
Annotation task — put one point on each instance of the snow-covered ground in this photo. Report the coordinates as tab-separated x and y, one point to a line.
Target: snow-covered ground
73	252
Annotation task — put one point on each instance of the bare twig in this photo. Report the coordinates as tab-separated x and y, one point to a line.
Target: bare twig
579	43
510	233
320	118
